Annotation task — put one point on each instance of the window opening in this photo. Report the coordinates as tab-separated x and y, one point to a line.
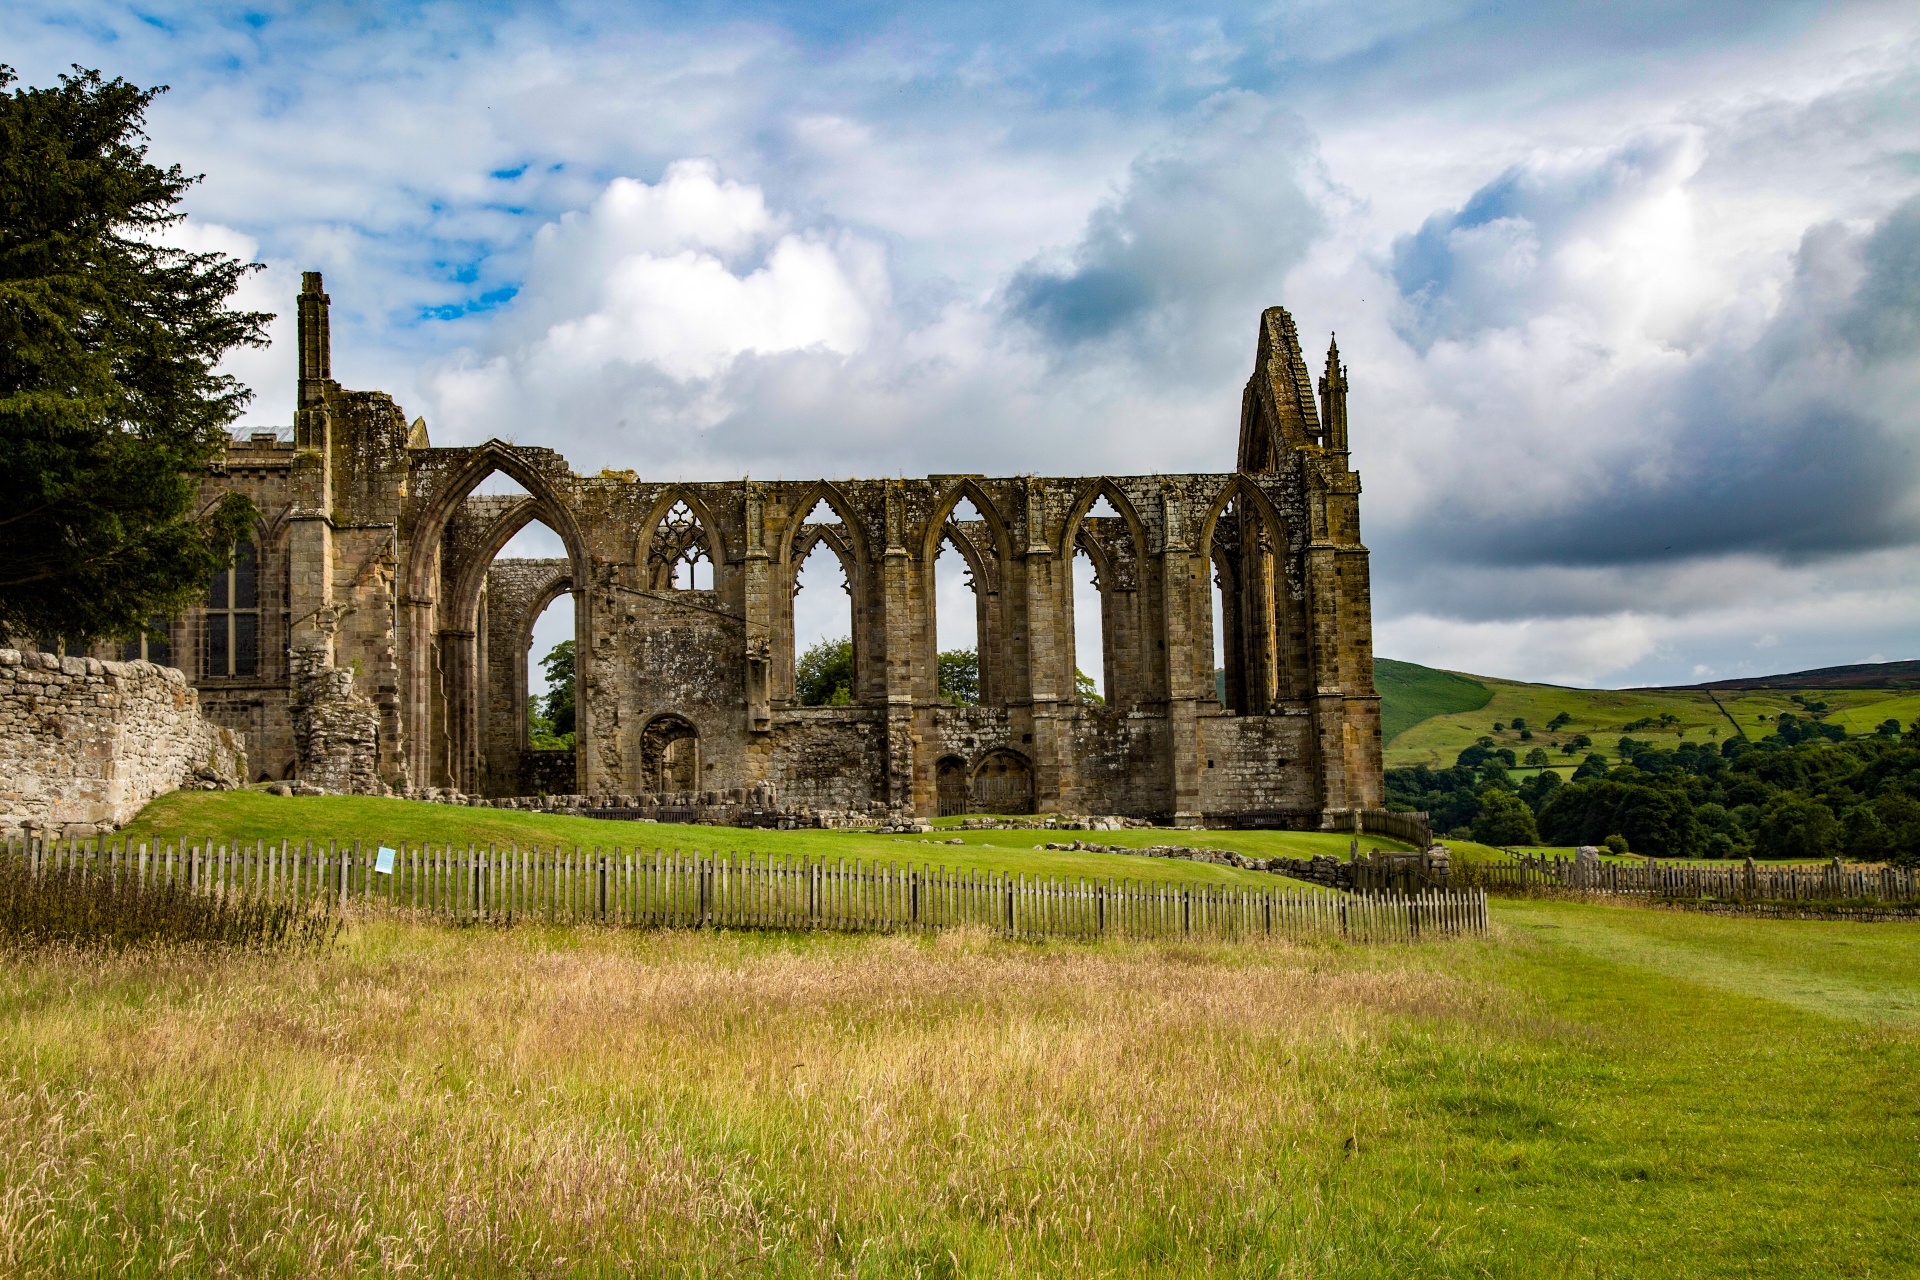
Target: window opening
679	554
1089	630
151	645
233	616
956	611
822	628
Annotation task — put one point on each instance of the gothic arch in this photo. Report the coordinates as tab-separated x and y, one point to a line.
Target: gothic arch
1263	505
943	511
482	461
1092	493
453	732
828	492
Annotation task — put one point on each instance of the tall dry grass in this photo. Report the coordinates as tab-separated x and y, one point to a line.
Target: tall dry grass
532	1103
72	907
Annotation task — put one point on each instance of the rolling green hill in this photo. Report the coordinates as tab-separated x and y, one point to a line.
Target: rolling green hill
1419	728
1410	693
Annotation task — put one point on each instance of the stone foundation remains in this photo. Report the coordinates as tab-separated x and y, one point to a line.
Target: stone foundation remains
85	743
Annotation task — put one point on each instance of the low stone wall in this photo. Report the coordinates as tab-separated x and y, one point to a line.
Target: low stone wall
1378	870
84	743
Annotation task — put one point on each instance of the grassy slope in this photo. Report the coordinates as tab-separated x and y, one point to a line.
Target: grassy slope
1602	714
254	815
1410	693
1596	1091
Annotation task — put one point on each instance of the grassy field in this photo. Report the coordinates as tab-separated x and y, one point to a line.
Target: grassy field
255	815
1594	1091
1410	693
1603	714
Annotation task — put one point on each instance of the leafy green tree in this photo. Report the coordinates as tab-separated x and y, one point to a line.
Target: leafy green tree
1084	686
1594	766
824	675
1538	789
960	677
558	664
110	404
1797	827
1654	820
1538	758
1504	819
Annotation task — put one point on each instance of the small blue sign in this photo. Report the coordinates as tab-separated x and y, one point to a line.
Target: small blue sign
384	864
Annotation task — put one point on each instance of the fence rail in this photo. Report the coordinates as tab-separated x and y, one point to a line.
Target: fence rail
1745	882
665	888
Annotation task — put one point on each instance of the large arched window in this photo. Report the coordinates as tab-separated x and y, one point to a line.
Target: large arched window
957	606
823	643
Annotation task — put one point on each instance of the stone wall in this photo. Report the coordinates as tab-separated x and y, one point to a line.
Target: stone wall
84	744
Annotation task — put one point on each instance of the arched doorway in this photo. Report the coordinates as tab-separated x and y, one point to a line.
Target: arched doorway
1003	783
670	755
950	783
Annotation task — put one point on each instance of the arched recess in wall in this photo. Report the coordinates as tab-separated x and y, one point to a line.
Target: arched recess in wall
824	570
1105	545
1243	545
982	546
443	658
670	755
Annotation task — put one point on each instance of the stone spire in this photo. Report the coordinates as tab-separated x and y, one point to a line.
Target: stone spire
1333	399
1277	410
316	343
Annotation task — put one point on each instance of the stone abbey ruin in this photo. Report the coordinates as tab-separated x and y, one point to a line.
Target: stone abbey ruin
369	639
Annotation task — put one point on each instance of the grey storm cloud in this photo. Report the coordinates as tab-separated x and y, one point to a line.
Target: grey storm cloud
1799	443
1203	231
1482	265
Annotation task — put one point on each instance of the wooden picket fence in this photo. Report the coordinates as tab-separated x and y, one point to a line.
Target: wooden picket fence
1736	882
669	888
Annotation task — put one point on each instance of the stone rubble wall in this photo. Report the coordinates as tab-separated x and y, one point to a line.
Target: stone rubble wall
85	744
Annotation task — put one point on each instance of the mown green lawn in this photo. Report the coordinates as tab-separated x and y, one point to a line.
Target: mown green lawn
251	815
1592	1091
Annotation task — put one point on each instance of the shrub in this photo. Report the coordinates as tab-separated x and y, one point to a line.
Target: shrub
1615	844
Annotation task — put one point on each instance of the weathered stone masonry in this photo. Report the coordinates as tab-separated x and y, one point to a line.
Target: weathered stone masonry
393	646
85	743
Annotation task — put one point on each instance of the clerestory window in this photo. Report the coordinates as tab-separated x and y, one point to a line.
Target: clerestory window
233	616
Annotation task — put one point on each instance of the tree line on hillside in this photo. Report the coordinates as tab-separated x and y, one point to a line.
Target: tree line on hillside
1806	791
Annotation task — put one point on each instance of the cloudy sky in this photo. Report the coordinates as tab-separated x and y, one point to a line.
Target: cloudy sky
1630	292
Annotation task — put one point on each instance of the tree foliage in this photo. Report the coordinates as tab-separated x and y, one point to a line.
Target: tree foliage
558	664
1801	793
824	675
960	676
111	406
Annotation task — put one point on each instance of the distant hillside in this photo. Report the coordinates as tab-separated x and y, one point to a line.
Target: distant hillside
1428	716
1864	675
1410	693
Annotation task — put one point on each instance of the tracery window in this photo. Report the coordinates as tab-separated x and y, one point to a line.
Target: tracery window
678	558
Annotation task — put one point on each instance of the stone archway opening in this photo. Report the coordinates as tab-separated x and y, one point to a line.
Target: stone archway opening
951	785
1002	783
670	755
